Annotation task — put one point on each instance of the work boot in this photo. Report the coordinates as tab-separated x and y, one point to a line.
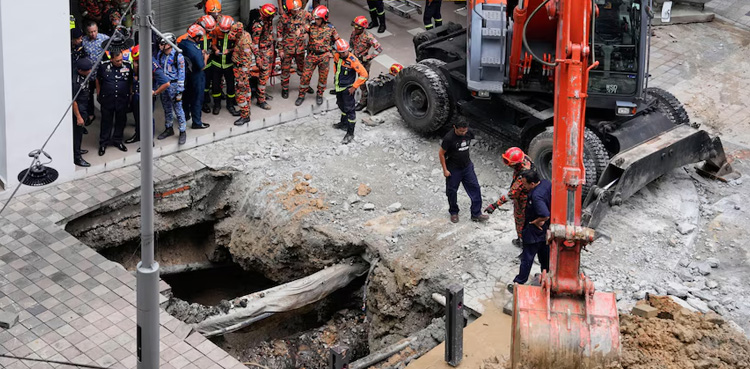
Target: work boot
284	94
374	20
381	28
183	138
80	162
319	100
264	105
482	218
348	138
454	218
359	106
203	125
169	131
300	100
241	121
341	126
517	242
310	90
217	105
232	109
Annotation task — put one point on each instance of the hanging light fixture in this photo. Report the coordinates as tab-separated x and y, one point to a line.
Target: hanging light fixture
38	174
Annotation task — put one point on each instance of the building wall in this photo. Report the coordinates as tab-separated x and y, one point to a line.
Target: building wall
35	77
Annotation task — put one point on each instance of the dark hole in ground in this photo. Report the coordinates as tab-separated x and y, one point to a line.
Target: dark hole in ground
209	287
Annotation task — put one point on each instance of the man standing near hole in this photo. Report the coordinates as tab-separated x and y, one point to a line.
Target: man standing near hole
458	169
535	227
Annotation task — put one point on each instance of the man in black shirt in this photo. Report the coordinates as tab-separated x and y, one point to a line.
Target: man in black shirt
80	105
534	232
458	168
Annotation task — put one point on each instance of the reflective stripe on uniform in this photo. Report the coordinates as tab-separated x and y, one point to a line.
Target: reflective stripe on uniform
336	76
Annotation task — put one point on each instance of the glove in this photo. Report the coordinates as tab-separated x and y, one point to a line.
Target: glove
490	208
178	97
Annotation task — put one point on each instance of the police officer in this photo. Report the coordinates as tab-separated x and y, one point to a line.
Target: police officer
76	47
195	78
114	82
83	68
173	65
350	74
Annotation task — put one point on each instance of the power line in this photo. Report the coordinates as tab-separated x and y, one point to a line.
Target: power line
85	82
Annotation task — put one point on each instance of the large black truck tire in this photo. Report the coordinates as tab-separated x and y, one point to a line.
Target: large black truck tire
422	98
435	64
595	157
668	103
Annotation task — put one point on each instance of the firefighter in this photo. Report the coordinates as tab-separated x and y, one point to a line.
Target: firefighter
321	37
361	42
432	11
350	74
209	24
291	30
221	59
213	8
242	59
377	15
518	161
264	51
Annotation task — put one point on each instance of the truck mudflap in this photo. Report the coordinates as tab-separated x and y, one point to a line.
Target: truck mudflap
632	169
380	93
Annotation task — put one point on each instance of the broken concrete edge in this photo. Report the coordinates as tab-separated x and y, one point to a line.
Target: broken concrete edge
420	342
253	126
683	14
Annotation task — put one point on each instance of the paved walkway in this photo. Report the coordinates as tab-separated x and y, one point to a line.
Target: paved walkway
74	305
737	11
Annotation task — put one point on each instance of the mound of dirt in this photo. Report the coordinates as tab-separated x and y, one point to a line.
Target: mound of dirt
680	339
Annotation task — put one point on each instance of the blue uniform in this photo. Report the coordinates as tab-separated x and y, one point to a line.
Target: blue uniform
114	97
195	79
159	78
173	65
83	102
538	205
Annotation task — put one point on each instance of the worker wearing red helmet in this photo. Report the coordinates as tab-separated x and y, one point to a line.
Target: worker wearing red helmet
519	161
209	24
321	35
195	78
361	42
350	74
221	60
213	8
242	59
263	48
291	31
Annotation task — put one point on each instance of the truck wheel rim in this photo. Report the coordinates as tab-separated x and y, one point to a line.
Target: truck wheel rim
416	99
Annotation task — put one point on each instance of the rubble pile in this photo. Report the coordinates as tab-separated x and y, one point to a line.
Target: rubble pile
677	338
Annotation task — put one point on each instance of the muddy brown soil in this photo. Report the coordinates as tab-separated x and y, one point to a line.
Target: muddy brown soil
680	339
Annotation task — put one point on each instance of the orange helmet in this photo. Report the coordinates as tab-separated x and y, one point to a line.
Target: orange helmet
360	21
135	52
213	6
267	10
237	28
207	22
321	11
196	31
226	23
513	156
342	46
292	5
396	68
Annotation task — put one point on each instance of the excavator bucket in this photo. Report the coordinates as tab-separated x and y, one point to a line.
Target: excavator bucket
564	332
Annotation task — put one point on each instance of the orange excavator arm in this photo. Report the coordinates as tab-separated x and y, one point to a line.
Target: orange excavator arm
565	323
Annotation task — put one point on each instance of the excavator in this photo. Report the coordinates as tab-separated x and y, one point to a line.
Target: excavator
569	80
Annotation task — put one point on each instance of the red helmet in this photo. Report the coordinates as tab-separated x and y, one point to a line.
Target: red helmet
213	6
396	68
513	156
135	52
207	22
292	5
360	21
268	10
342	46
196	31
321	12
226	23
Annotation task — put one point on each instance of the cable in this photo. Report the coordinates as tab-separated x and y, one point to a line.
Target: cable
52	361
526	44
85	82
